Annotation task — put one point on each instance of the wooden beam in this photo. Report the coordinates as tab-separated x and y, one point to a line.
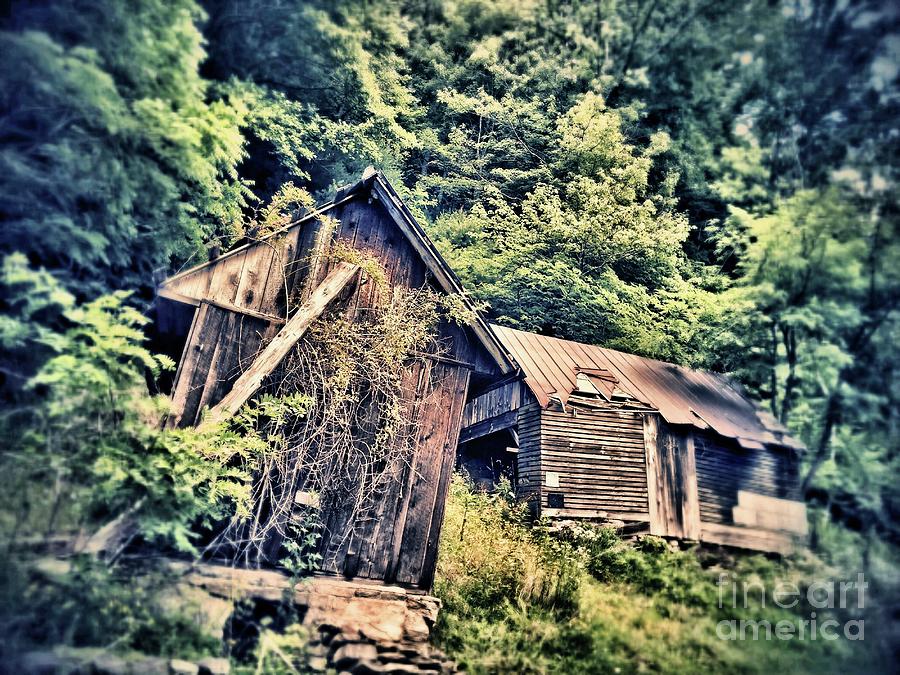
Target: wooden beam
489	426
445	359
755	539
651	450
690	492
251	380
187	300
174	296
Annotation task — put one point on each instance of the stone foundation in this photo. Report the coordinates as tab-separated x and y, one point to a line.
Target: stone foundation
355	626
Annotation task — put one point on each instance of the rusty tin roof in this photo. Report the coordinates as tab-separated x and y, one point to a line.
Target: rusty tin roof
681	395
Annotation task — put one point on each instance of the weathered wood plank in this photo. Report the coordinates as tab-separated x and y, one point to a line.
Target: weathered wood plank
185	365
200	350
489	426
226	278
430	461
724	468
426	573
691	503
172	295
249	382
258	266
628	516
749	538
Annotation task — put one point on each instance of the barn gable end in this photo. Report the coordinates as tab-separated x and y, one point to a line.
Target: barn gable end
244	302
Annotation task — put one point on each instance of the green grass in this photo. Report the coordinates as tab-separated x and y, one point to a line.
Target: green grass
517	599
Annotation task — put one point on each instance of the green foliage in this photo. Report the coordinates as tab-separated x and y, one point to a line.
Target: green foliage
619	606
89	442
649	565
282	652
302	547
114	159
93	605
808	324
489	560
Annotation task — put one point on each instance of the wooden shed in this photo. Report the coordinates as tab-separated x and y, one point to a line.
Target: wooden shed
595	433
241	313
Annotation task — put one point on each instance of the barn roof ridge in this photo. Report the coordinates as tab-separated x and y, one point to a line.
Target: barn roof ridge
682	395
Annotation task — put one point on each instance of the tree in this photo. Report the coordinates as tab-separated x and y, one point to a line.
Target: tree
116	160
593	254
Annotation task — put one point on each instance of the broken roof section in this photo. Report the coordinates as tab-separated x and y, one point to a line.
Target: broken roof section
681	395
184	286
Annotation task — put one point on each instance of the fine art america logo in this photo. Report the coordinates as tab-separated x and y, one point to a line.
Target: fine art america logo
824	600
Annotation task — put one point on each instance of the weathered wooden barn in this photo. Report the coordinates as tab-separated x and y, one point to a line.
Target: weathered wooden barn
595	433
240	314
584	432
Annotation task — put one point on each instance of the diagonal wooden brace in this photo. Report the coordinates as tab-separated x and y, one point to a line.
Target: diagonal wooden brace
269	358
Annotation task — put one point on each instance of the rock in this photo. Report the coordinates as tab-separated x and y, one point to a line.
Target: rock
401	669
327	632
430	664
181	667
391	657
316	649
212	665
368	668
109	664
354	652
208	612
415	628
151	666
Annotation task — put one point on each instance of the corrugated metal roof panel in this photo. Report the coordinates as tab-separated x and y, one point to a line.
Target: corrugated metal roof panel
682	395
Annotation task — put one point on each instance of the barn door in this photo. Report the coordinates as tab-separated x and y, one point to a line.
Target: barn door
671	480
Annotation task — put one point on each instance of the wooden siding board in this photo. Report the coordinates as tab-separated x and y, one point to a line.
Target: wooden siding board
225	279
598	455
426	477
273	298
429	565
377	551
189	388
528	485
493	403
254	274
724	468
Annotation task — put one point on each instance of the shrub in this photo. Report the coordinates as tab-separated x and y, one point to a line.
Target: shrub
489	558
520	597
647	564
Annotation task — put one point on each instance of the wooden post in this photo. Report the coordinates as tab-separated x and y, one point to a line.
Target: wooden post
251	380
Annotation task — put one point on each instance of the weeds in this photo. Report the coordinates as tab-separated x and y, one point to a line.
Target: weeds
518	598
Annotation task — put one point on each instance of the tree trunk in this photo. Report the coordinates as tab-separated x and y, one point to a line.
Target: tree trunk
790	384
830	420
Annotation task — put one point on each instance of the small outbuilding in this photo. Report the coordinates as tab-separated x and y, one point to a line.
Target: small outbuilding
594	433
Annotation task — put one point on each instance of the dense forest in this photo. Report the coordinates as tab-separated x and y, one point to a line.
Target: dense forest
712	184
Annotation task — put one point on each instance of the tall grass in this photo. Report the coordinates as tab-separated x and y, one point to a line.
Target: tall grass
518	599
